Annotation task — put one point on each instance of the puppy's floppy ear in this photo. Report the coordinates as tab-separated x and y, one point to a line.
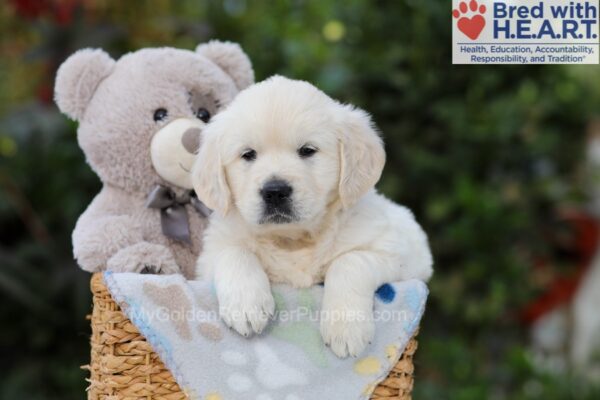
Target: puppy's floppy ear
362	156
77	80
230	58
208	175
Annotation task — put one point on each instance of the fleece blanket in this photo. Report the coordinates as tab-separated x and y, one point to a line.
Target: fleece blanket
288	361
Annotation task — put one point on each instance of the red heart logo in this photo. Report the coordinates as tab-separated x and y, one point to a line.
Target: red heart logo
471	27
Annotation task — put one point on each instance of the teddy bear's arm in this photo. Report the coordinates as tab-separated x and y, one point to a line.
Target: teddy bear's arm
115	243
144	257
97	238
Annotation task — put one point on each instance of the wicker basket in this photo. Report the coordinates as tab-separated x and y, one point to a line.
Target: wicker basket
123	365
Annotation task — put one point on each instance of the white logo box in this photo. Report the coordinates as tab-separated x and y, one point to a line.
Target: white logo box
525	32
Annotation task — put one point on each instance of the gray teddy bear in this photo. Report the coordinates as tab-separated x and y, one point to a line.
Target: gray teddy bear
140	127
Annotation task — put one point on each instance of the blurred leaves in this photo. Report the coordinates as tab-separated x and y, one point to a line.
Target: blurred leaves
484	155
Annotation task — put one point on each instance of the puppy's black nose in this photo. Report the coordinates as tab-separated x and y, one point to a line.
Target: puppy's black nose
276	192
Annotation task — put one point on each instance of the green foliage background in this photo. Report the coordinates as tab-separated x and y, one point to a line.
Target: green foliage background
484	155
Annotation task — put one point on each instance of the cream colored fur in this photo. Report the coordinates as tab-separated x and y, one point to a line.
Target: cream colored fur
344	234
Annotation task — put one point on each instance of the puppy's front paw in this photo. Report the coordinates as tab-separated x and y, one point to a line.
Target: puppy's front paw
246	309
347	328
347	338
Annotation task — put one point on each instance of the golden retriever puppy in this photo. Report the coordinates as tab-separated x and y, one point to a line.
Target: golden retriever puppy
290	174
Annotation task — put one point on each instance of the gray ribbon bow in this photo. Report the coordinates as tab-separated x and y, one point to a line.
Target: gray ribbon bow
173	215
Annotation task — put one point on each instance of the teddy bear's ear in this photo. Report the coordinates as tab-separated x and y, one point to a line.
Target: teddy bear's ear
230	58
77	80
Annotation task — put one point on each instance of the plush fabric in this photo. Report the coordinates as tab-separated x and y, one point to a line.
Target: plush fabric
287	361
230	57
115	104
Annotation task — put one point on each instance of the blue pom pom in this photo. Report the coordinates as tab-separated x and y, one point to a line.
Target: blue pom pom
386	293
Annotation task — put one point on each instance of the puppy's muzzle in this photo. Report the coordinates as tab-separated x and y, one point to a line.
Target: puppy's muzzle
277	199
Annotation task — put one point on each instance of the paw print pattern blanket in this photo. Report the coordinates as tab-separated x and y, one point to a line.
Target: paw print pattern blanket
288	361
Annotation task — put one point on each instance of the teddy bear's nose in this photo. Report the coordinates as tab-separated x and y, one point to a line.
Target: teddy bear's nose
191	140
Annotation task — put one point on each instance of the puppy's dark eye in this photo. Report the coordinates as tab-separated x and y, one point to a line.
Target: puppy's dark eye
249	155
160	114
307	151
203	114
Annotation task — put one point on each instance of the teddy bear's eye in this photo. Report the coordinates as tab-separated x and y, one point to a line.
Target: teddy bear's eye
249	155
160	114
203	114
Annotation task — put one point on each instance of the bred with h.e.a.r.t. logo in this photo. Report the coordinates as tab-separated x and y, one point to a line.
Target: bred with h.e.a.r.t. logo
530	32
